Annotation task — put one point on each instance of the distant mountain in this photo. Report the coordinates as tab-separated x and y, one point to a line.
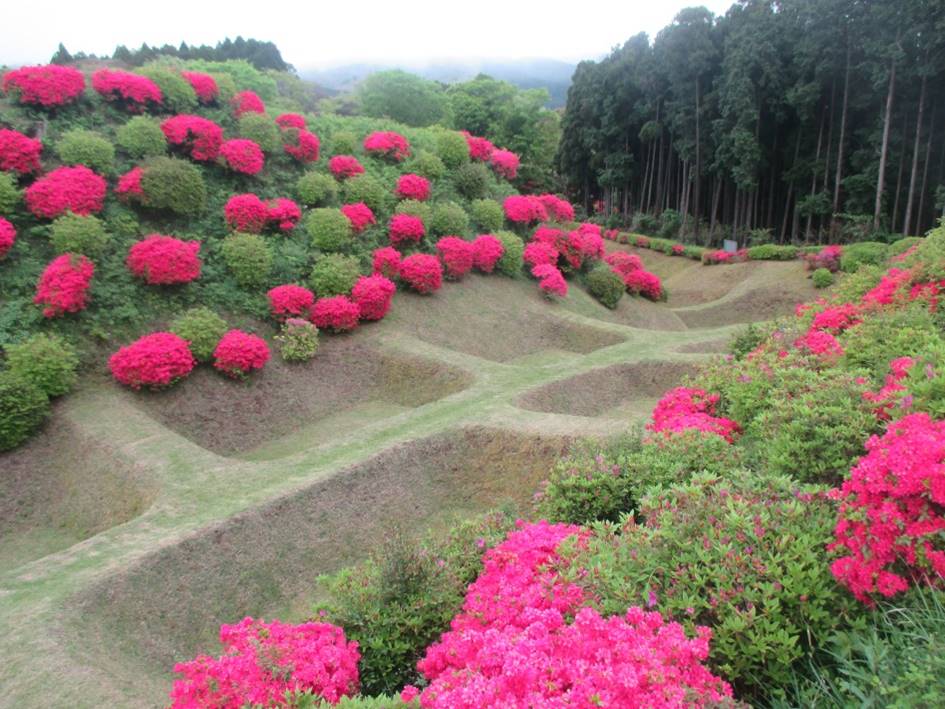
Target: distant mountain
550	74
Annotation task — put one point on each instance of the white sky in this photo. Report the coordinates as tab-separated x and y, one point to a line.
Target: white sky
318	34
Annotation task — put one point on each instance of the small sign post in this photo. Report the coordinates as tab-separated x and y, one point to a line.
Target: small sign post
730	246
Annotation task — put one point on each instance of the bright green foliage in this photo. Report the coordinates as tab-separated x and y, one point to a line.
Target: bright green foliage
202	328
822	278
46	361
85	147
448	219
452	149
174	185
308	700
243	77
472	180
298	340
316	189
428	164
670	221
772	252
78	234
746	339
925	382
261	129
10	194
23	408
853	286
406	98
487	215
399	601
141	137
871	252
179	95
900	246
334	274
511	262
226	87
249	259
605	285
416	209
882	337
329	228
343	143
367	189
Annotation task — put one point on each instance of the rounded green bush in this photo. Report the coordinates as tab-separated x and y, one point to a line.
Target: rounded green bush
261	129
226	86
298	341
605	285
334	274
772	252
472	180
448	219
78	234
85	147
902	245
47	361
316	189
428	164
511	262
873	253
202	328
141	137
416	209
452	149
10	194
174	185
23	408
343	143
329	228
367	189
822	278
487	215
179	95
248	258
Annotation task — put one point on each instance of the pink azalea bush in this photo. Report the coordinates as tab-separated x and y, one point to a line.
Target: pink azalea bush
337	314
386	262
686	408
198	137
387	144
246	213
291	120
345	166
67	189
560	210
301	144
550	280
457	255
129	185
645	283
828	257
204	85
405	229
290	301
132	91
524	209
7	237
623	263
540	253
412	186
263	662
480	149
247	102
164	260
360	216
49	86
505	163
373	296
422	273
819	342
284	213
487	250
156	360
243	155
19	153
238	353
63	285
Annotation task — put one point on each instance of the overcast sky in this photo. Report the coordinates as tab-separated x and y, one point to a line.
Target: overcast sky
319	34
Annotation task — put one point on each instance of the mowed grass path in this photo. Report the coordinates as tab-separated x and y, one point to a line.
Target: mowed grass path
100	592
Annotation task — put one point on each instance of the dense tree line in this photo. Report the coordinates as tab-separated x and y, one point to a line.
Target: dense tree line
808	118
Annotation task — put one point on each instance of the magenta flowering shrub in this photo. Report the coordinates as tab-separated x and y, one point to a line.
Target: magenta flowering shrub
412	186
405	229
891	520
290	301
133	92
373	296
284	213
479	148
560	210
828	257
505	163
422	273
63	285
457	255
386	262
238	353
677	250
291	120
550	280
623	263
685	408
19	153
263	662
247	102
645	283
129	185
890	289
198	137
164	260
301	144
387	144
713	258
819	342
337	314
345	166
889	395
540	253
204	85
7	237
156	360
243	155
49	86
487	250
360	216
66	189
524	209
246	213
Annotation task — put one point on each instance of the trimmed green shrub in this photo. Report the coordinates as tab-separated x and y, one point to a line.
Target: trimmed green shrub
853	286
873	253
511	262
900	246
694	252
179	95
226	86
141	137
880	338
10	194
202	328
822	278
416	209
343	143
745	340
316	189
487	215
448	219
249	259
85	147
121	221
261	129
329	228
367	189
452	149
772	252
47	361
605	285
298	340
174	185
471	180
428	165
78	234
23	408
334	274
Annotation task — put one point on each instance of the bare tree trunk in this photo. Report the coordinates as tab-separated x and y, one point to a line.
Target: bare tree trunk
907	222
790	193
813	179
698	181
881	178
920	215
716	196
902	165
838	177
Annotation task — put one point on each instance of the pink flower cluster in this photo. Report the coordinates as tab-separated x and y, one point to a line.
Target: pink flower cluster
63	285
505	163
238	353
677	250
412	186
337	313
198	137
19	153
479	148
386	262
405	228
345	166
713	258
7	237
154	361
133	91
540	253
262	662
283	212
685	408
819	342
204	85
422	272
49	86
290	301
67	189
360	216
457	255
164	260
892	512
890	288
387	144
524	209
487	250
301	144
247	102
243	155
248	213
559	210
828	257
291	120
373	296
129	185
637	280
550	280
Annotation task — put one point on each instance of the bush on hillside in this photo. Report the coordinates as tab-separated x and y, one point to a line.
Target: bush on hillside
605	285
412	186
472	180
195	136
487	250
141	137
423	273
329	229
772	252
243	156
359	215
7	237
414	208
448	219
64	284
334	274
822	278
373	296
457	254
10	194
173	185
178	93
316	189
202	329
154	361
428	164
261	129
204	85
487	215
85	147
132	92
345	166
23	408
47	361
343	143
367	189
336	314
386	262
67	189
512	249
164	260
873	253
298	340
289	301
452	149
239	353
78	234
249	259
47	86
